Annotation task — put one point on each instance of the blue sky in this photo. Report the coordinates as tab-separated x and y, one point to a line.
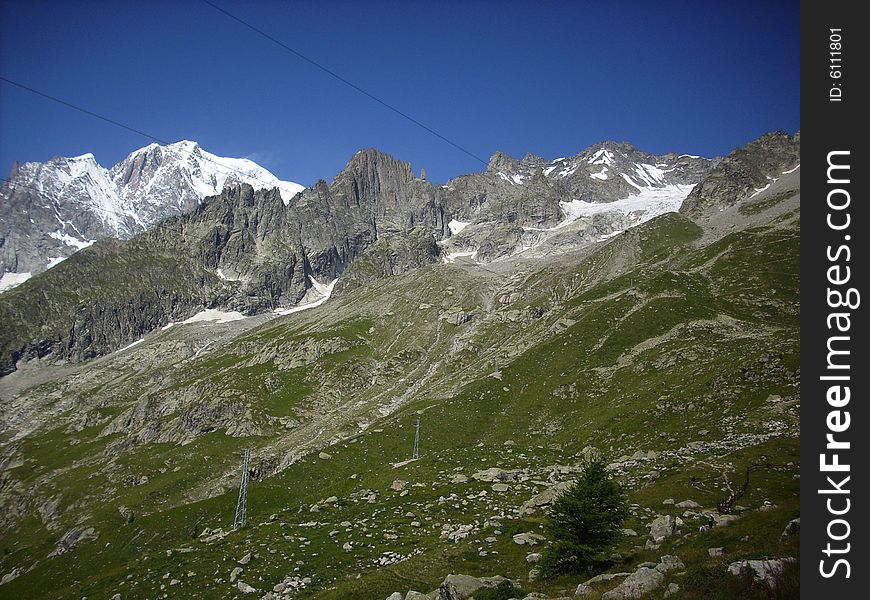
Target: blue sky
547	77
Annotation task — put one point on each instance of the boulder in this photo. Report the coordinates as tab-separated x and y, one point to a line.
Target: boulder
583	590
673	588
529	538
494	474
395	596
533	557
245	588
715	552
662	528
688	504
669	563
545	498
414	595
793	528
461	587
10	576
636	585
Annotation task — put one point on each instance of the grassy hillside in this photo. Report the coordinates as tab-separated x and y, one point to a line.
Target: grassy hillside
681	368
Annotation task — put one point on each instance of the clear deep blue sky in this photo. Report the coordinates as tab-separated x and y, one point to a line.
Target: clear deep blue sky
547	77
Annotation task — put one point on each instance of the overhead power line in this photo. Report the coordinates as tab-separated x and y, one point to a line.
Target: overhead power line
332	73
144	134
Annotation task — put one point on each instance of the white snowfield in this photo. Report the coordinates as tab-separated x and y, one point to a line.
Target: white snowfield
646	204
457	226
70	240
209	314
316	295
10	280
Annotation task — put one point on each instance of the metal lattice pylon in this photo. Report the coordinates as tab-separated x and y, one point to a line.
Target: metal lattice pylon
242	505
416	454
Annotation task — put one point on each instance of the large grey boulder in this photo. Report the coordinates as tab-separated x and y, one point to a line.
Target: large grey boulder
636	585
662	528
462	587
767	571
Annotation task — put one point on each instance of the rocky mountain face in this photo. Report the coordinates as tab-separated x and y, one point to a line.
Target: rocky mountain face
515	205
253	250
746	172
670	351
245	250
49	210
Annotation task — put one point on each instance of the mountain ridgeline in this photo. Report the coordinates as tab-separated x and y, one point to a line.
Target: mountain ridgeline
247	250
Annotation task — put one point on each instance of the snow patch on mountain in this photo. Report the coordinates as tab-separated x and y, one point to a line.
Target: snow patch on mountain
316	295
648	203
457	226
10	280
70	240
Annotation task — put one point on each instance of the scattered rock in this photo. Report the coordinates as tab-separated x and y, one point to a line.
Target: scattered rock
629	532
725	520
670	562
715	552
494	474
127	513
459	478
414	595
762	570
234	574
245	588
793	528
533	557
73	538
688	504
605	577
398	485
395	596
461	587
324	456
673	588
583	590
636	585
245	559
10	576
500	487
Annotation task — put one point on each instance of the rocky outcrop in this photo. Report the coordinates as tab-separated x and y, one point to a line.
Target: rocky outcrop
744	171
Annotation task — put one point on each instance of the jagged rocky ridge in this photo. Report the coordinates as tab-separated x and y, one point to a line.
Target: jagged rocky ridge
746	171
249	251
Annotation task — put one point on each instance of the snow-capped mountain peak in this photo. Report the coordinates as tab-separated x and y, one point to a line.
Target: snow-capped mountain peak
54	208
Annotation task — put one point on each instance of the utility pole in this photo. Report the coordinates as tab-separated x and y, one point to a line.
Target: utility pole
416	454
242	505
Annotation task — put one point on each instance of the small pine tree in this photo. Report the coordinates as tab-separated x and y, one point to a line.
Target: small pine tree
584	521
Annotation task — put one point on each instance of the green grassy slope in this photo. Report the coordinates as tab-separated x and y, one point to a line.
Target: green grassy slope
692	353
